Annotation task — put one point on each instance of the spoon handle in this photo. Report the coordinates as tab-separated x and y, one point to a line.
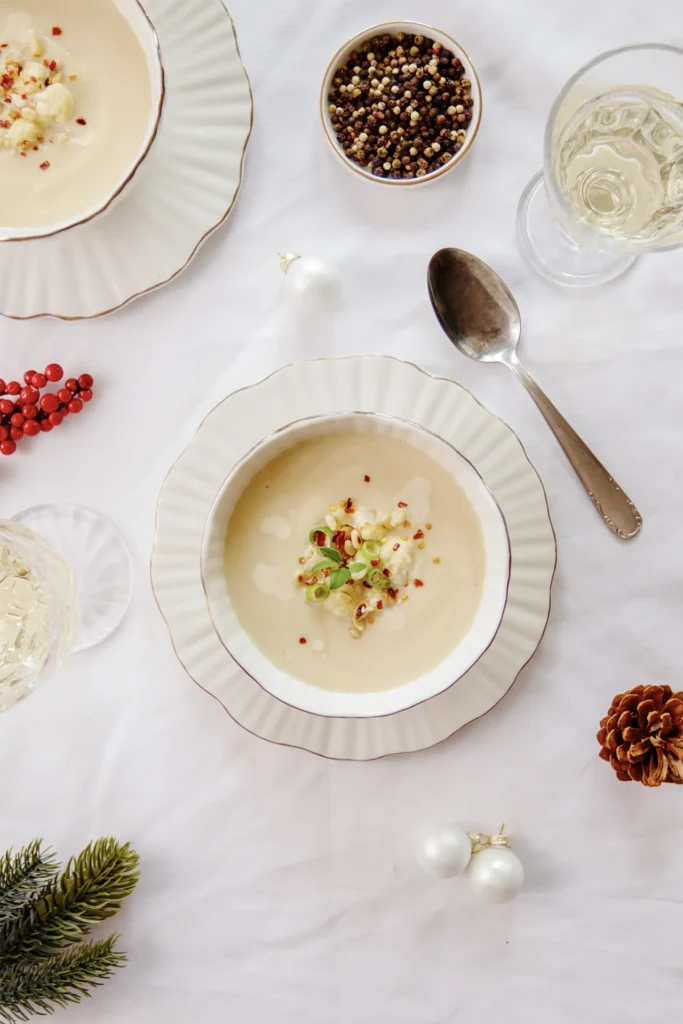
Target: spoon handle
616	508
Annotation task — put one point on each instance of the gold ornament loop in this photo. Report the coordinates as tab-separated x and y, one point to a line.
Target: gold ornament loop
287	259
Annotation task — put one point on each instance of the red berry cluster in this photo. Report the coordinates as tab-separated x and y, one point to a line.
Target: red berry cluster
25	413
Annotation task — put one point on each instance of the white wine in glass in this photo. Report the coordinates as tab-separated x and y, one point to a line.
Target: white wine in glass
612	185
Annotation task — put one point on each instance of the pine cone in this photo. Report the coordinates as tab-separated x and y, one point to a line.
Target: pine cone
642	735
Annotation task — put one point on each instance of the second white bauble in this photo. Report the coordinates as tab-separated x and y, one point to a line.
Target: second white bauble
496	874
446	852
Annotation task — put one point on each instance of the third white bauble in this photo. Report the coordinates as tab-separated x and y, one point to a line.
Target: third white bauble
446	852
496	874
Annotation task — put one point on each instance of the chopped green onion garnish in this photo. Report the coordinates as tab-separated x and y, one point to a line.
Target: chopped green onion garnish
369	549
332	553
319	529
317	593
358	569
338	578
326	564
376	578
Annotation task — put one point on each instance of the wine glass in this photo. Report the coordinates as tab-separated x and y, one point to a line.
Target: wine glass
612	182
65	585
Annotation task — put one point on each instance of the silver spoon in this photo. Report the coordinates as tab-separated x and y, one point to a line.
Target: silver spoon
480	316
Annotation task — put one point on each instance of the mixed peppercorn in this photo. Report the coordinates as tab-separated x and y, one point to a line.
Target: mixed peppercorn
400	106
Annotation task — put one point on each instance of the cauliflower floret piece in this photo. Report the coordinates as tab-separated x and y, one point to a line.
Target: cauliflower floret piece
398	561
340	602
34	70
55	104
23	134
366	522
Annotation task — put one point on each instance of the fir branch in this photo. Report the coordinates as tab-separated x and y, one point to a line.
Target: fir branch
56	981
90	889
22	876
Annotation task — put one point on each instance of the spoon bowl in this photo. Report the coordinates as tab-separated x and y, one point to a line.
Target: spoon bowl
478	312
475	308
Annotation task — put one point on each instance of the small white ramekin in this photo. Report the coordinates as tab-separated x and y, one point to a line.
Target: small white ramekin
414	28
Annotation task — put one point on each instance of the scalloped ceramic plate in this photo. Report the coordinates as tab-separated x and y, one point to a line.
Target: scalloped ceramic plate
182	192
360	383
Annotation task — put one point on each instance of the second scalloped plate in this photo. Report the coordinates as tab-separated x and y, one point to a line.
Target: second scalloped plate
378	384
183	191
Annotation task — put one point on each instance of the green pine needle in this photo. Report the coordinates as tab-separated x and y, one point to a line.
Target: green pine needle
90	889
56	981
22	876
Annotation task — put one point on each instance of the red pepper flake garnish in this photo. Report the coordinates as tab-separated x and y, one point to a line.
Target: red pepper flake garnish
320	539
35	148
403	504
44	166
386	572
375	562
392	593
418	583
3	45
360	611
366	478
396	547
302	639
418	536
380	605
366	584
56	30
46	62
81	120
52	65
22	153
339	540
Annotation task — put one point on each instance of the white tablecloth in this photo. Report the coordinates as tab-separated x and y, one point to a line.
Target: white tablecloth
278	888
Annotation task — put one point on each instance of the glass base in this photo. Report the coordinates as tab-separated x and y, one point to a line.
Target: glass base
99	560
553	254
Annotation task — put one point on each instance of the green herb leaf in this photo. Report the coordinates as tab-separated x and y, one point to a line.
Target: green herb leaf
333	554
326	564
338	578
358	567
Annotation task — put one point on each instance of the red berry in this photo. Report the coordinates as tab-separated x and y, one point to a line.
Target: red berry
71	385
85	382
4	433
54	372
8	447
29	395
31	428
2	387
45	426
6	407
17	420
64	395
28	376
55	418
85	396
29	411
13	388
49	403
39	380
64	409
75	405
16	433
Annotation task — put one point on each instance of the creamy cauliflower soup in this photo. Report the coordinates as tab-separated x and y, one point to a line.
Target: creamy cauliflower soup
355	562
75	98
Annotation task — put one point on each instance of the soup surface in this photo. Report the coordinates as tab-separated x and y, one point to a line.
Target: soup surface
268	536
93	124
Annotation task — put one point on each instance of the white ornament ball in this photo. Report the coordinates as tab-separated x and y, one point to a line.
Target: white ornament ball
447	852
496	874
312	283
